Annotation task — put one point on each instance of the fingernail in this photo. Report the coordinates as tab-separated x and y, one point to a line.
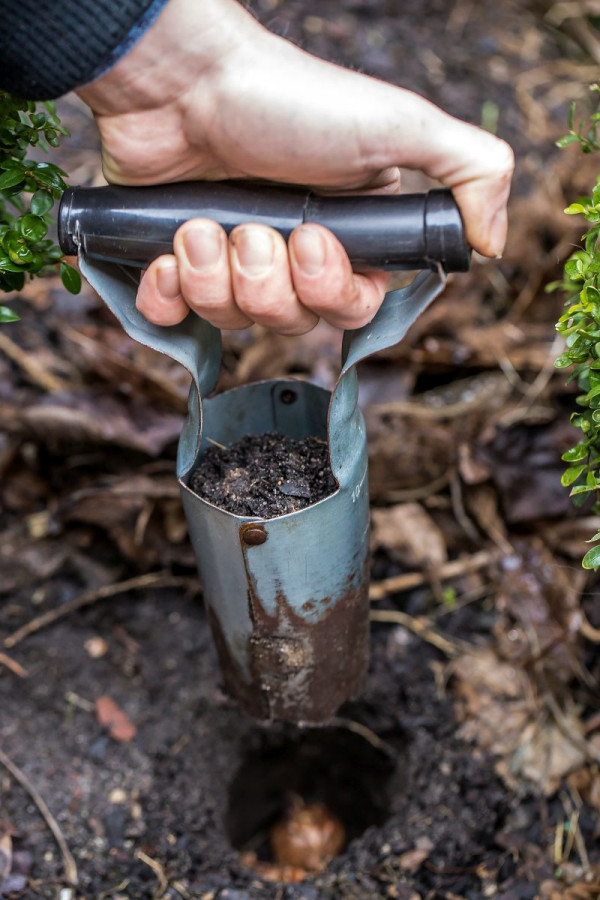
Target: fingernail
309	250
203	246
498	228
254	250
167	279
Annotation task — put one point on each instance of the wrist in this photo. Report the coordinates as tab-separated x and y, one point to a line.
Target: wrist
186	43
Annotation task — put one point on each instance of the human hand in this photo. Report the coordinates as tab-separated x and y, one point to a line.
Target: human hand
209	93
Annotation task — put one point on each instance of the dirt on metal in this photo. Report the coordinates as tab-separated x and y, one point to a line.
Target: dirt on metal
298	672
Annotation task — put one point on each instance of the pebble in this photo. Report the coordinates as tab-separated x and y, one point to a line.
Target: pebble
96	647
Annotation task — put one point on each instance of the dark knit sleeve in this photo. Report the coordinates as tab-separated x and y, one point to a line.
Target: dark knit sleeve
49	47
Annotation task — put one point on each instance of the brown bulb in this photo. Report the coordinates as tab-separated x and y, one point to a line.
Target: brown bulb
308	836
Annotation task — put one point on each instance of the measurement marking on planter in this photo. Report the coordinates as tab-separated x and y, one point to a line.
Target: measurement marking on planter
358	487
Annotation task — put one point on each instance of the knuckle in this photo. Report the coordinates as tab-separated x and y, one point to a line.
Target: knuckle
329	293
350	322
202	292
228	321
264	308
199	289
505	159
205	308
161	314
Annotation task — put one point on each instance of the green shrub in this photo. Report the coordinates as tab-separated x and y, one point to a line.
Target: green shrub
25	249
580	326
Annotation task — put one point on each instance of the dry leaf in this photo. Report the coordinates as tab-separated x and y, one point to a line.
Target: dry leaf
409	535
85	418
541	609
5	857
118	724
501	713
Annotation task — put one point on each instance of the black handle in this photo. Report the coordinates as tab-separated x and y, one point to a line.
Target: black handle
134	225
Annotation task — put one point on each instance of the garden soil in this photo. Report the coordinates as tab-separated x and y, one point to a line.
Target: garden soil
469	767
265	475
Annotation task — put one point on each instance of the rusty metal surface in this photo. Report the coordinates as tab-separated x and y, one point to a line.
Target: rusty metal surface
289	607
290	610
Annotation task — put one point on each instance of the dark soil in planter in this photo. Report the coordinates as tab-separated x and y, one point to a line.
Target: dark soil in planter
265	475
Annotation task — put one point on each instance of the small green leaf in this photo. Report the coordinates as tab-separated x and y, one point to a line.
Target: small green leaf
581	489
41	202
20	253
566	140
580	451
7	266
574	209
7	315
70	278
579	501
11	178
591	560
571	474
13	281
52	137
33	228
563	361
49	175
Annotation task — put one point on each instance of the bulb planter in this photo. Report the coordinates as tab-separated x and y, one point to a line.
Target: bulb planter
287	597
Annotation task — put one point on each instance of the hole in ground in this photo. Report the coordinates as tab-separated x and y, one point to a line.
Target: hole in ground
329	766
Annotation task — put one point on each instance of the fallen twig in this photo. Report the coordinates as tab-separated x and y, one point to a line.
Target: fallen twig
586	748
15	667
364	732
398	583
158	870
30	363
572	806
69	864
152	579
419	627
420	493
587	629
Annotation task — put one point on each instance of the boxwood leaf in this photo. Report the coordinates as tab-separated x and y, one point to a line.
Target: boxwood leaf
41	202
591	560
11	178
571	474
70	278
8	315
33	228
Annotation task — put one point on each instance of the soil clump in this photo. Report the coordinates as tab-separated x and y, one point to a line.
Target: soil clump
265	475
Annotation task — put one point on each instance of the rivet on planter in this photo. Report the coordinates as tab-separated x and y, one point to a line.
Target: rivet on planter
254	536
288	396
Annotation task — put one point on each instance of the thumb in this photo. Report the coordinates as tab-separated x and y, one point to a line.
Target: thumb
355	127
475	164
415	134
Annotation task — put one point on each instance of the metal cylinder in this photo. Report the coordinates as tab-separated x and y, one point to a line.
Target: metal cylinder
287	597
